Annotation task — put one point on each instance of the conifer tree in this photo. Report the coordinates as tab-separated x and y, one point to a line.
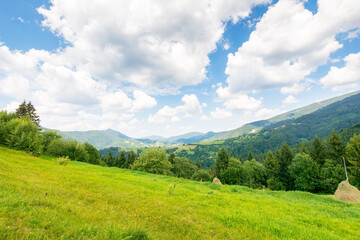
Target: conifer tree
304	149
336	146
28	110
318	151
271	165
122	160
285	159
250	156
222	161
198	164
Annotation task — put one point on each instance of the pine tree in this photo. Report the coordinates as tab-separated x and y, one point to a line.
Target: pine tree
318	151
131	157
285	159
271	165
222	161
250	156
304	149
336	146
109	160
122	160
28	110
171	158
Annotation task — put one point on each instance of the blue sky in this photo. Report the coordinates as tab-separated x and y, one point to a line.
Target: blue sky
167	68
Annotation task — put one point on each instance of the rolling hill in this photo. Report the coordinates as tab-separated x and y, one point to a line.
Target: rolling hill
258	125
40	199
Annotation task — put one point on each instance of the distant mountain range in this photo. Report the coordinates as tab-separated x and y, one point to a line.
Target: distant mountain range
111	138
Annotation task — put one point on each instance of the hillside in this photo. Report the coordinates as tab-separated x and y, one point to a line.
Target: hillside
40	199
108	138
258	125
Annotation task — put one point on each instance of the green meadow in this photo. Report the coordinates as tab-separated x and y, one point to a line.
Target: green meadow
40	199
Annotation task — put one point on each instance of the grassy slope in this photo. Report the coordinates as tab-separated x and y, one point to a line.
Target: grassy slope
42	200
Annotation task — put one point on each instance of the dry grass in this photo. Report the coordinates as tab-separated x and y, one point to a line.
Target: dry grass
348	193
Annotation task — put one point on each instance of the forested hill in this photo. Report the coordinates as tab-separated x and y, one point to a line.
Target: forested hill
259	125
337	116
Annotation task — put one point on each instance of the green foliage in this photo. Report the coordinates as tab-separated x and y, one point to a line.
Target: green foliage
254	174
272	169
353	156
201	176
24	135
234	174
250	156
5	118
27	110
131	157
331	175
222	161
70	148
92	153
336	147
285	159
305	171
122	160
153	161
318	151
63	161
182	167
47	137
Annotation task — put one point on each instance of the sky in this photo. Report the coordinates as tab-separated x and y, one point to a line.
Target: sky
168	67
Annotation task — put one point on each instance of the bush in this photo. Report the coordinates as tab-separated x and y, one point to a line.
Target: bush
153	161
201	176
24	135
63	160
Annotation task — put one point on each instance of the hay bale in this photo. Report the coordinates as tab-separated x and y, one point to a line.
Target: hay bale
217	181
346	192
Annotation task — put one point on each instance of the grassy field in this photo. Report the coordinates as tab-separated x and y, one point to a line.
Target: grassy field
40	199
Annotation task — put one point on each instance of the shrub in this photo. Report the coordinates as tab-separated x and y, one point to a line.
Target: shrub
153	161
63	160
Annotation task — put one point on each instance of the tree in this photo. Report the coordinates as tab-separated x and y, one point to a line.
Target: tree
336	146
285	159
28	110
131	157
5	118
250	156
153	161
318	151
201	176
353	156
122	160
182	167
254	174
305	171
109	159
331	175
304	149
47	137
272	169
24	135
93	153
198	164
234	173
222	161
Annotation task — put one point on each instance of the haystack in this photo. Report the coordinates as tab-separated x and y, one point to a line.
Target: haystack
346	192
217	181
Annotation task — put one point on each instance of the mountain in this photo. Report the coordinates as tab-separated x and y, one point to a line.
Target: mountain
258	125
108	138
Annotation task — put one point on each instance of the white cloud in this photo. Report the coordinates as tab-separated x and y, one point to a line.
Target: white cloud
204	118
289	43
294	89
152	43
226	46
266	113
237	101
220	113
143	101
353	34
190	108
20	19
290	100
345	77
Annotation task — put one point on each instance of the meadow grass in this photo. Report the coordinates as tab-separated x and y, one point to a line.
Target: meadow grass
40	199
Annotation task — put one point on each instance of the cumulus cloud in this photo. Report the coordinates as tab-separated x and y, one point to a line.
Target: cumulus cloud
344	77
289	43
151	43
290	100
143	101
220	113
190	108
294	89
